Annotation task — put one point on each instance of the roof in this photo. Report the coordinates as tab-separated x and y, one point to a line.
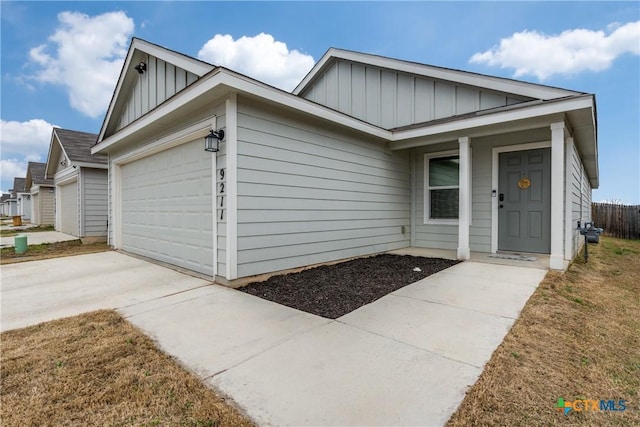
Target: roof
18	186
4	197
576	107
501	84
77	146
35	175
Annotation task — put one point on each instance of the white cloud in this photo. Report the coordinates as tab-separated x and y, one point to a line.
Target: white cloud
28	139
260	57
571	52
85	55
12	168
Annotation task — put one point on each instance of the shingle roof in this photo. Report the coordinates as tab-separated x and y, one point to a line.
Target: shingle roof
5	197
37	174
18	186
78	145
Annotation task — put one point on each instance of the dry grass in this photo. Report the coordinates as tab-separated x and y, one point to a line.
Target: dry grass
97	369
50	250
578	337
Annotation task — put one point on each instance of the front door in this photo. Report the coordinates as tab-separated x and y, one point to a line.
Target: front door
524	201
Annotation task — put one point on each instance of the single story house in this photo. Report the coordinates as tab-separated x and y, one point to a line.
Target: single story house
43	203
4	204
23	199
80	180
367	154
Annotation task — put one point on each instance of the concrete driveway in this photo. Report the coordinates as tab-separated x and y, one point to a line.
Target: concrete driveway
405	359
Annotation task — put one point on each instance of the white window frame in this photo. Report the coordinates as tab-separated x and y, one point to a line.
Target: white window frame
427	188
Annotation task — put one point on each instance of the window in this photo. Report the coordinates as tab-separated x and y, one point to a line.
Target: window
441	187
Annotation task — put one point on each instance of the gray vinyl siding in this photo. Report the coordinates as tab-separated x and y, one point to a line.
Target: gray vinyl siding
161	81
441	236
307	194
94	202
579	192
391	99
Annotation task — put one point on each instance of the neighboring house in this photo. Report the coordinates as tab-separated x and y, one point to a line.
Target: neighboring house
23	198
42	194
368	154
11	204
4	204
80	180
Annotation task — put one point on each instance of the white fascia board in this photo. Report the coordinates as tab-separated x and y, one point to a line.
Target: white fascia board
490	119
66	176
241	84
499	84
90	165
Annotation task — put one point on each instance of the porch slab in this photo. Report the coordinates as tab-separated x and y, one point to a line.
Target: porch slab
541	261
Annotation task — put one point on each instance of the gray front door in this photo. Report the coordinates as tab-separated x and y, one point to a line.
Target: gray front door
524	201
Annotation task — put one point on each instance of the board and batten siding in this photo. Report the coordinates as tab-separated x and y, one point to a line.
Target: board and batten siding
439	236
307	194
391	99
94	202
161	81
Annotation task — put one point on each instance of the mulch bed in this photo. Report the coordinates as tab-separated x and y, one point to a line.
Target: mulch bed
334	290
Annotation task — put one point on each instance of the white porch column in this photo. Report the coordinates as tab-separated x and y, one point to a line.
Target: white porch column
464	210
556	260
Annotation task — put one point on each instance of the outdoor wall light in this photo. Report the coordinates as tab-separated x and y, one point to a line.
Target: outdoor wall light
212	141
141	68
63	163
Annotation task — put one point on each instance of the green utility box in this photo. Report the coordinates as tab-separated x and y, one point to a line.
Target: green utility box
21	243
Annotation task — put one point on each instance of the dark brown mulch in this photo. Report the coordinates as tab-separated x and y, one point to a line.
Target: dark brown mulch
334	290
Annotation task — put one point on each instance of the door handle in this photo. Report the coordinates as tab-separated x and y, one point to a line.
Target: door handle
501	206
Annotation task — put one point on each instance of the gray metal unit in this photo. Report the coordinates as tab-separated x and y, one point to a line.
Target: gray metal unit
391	99
307	194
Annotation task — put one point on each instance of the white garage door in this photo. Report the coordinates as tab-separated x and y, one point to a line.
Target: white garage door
69	208
167	207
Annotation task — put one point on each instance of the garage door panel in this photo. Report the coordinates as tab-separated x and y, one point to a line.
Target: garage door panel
166	207
69	208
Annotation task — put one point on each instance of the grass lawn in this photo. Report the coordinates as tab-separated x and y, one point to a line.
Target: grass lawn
50	250
97	369
578	337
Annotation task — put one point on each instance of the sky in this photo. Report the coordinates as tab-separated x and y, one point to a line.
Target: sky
60	60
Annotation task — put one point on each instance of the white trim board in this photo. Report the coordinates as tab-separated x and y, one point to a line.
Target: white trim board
495	178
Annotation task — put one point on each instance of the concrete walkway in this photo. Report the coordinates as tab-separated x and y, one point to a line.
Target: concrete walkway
37	238
405	359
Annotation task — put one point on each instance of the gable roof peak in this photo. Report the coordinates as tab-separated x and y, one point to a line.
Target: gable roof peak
500	84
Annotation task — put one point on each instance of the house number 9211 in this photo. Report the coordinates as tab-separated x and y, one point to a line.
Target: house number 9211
221	195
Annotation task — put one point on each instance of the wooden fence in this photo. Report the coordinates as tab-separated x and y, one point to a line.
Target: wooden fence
617	220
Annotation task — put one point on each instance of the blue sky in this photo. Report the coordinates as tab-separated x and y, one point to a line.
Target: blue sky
60	60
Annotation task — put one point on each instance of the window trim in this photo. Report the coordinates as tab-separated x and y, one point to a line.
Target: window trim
427	188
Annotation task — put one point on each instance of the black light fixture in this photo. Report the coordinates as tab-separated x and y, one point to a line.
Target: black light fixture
141	68
212	141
